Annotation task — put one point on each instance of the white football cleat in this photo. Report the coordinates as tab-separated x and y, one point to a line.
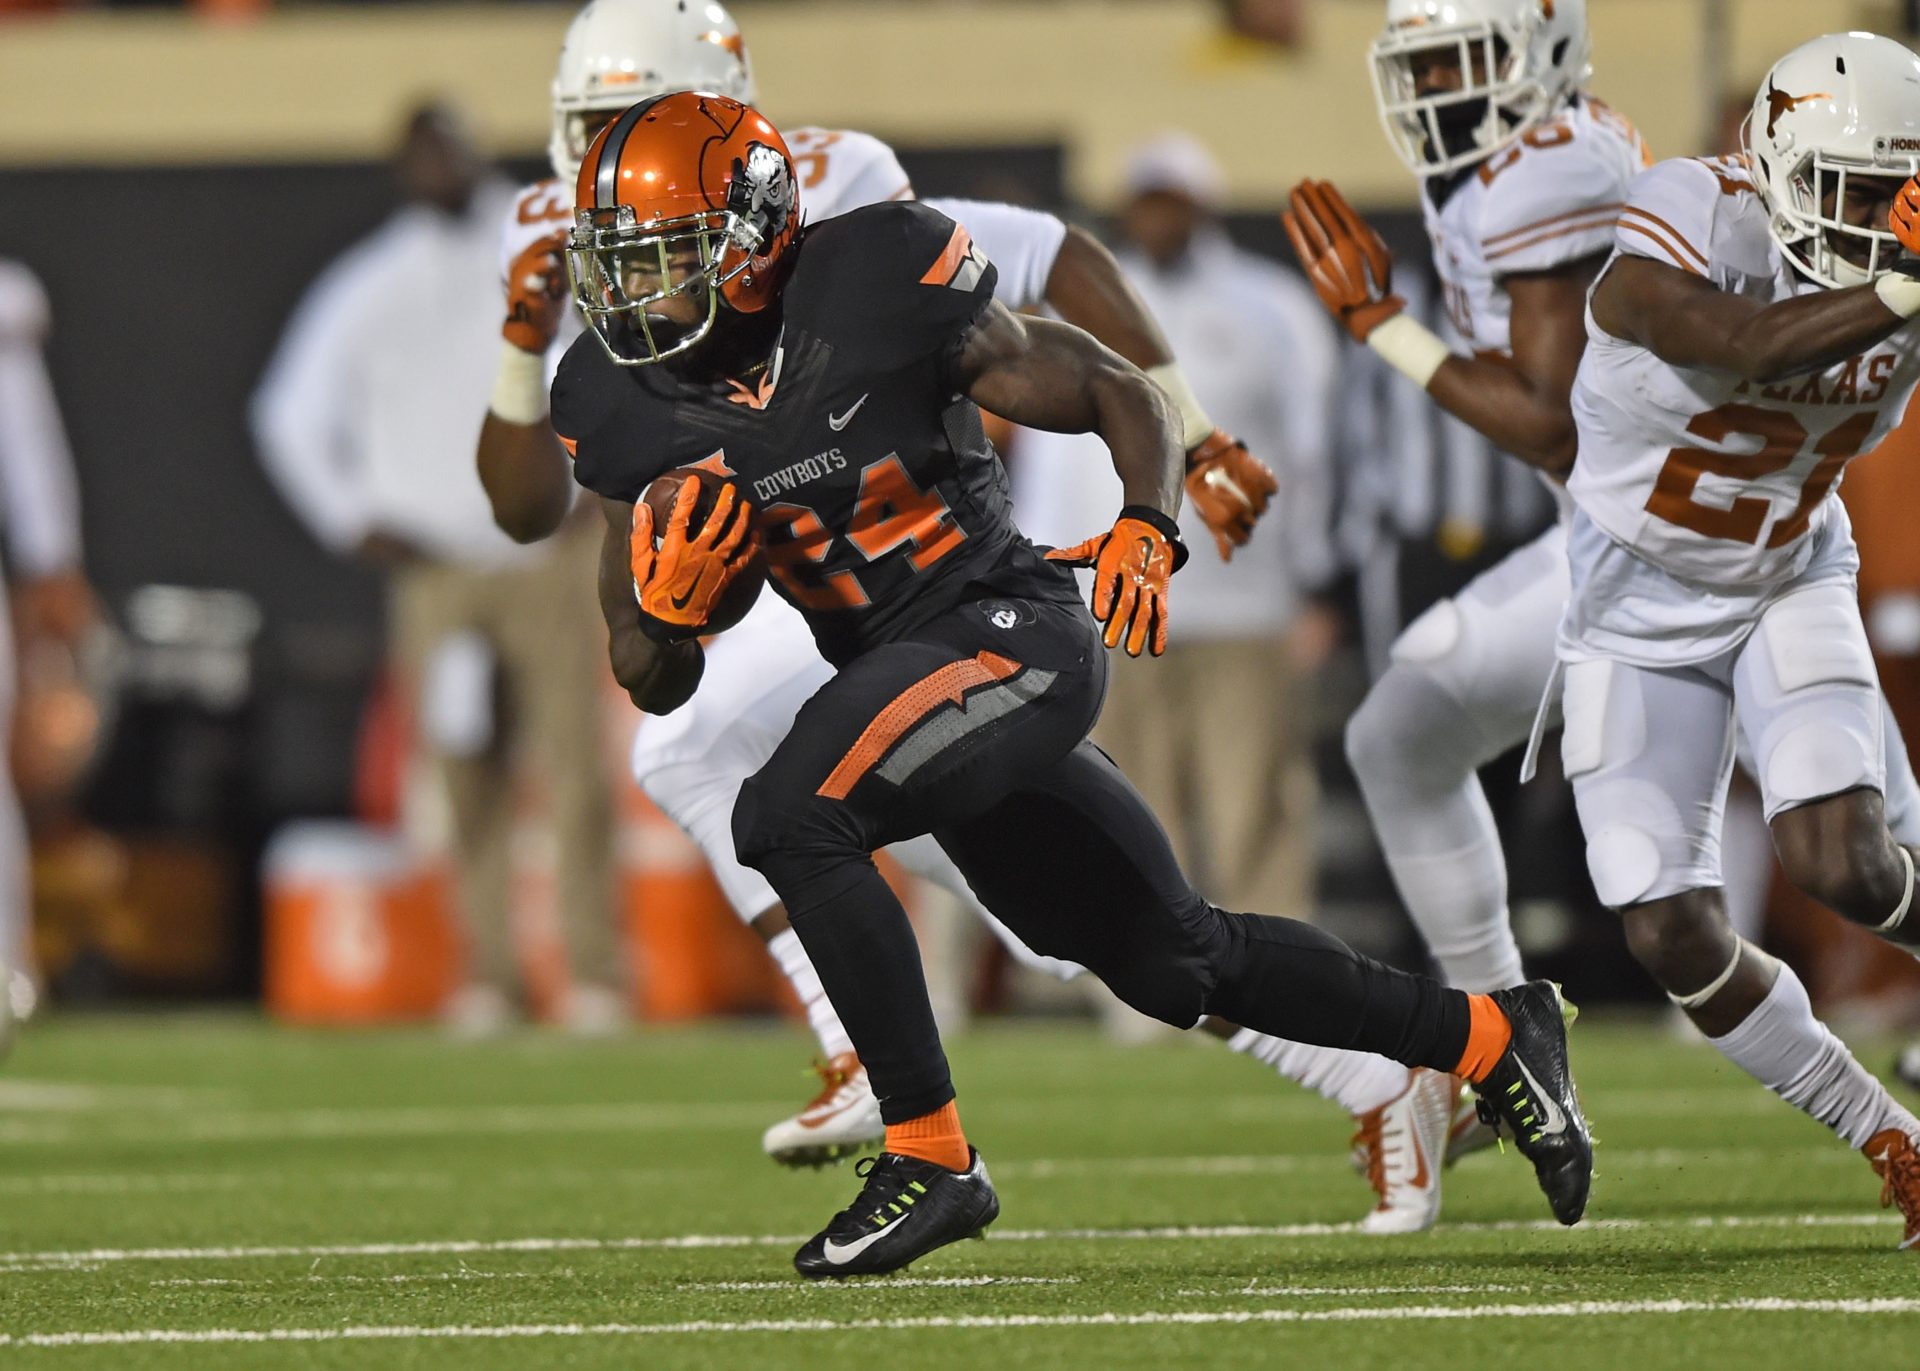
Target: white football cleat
1468	1133
594	1011
1404	1141
477	1011
844	1118
14	1005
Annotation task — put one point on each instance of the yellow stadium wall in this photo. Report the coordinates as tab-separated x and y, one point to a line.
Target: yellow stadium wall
1092	75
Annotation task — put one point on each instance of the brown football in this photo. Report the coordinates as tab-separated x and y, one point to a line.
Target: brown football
660	495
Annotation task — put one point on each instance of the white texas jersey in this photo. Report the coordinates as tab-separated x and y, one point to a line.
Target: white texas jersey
838	170
1548	200
1713	480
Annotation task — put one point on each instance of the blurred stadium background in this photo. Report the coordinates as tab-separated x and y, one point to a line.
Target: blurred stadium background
177	175
229	810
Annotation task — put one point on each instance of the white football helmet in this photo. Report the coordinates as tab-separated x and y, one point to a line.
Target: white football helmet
1521	62
620	52
1848	103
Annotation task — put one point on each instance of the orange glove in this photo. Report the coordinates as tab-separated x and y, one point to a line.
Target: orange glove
536	294
1904	218
679	582
1345	259
1230	488
1131	567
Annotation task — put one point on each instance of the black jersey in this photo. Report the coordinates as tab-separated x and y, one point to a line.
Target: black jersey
875	492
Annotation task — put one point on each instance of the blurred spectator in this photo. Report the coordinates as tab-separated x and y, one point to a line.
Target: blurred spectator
1216	732
1281	22
53	607
366	419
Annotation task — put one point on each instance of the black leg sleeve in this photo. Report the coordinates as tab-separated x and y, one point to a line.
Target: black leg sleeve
1079	868
907	736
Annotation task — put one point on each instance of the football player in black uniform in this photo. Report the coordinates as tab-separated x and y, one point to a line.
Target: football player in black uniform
832	375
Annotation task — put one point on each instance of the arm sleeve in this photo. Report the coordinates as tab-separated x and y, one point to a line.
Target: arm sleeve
1022	243
1669	215
41	497
302	413
1555	204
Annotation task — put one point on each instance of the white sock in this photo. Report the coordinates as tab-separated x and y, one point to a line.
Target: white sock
798	969
1357	1081
1794	1055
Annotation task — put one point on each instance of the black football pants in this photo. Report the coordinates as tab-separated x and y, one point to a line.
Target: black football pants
973	728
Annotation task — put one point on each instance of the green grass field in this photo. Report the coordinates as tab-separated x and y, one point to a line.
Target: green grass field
212	1192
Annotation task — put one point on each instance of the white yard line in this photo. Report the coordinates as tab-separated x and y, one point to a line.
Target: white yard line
401	1121
1286	1163
23	1095
1580	1309
189	1119
25	1182
11	1262
881	1283
1298	1291
152	1183
436	1277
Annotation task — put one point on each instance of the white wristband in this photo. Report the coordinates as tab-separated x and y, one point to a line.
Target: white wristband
520	386
1410	348
1899	292
1195	426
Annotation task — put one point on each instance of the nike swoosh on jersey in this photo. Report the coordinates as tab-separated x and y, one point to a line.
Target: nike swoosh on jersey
1554	1121
836	422
842	1253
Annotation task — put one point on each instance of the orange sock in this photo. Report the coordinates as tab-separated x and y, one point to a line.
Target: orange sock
1488	1034
934	1137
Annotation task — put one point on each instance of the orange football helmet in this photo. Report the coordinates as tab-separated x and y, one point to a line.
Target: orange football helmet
685	202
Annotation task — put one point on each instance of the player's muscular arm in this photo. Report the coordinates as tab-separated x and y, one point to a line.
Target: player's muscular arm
1052	376
524	469
1686	320
1086	289
658	677
1522	404
1229	486
521	462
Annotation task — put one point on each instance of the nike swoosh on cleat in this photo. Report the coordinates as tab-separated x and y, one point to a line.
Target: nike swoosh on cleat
842	1253
1555	1120
836	422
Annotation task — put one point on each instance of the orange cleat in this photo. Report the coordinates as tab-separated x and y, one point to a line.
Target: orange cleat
1897	1162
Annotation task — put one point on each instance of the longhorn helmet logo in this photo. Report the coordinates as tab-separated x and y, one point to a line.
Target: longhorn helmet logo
1779	104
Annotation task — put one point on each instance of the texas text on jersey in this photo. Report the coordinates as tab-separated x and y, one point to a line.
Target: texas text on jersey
875	515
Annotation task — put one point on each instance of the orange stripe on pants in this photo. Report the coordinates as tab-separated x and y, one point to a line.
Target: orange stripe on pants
948	685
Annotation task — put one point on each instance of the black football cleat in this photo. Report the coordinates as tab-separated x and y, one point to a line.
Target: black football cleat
906	1209
1529	1096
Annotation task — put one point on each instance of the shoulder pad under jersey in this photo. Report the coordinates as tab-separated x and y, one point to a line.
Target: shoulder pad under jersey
1552	198
888	284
